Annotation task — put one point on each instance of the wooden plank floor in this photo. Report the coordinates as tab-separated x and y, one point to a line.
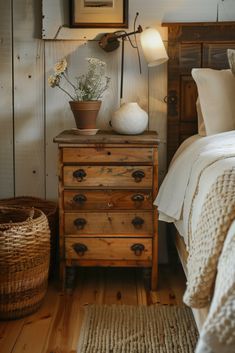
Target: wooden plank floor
55	327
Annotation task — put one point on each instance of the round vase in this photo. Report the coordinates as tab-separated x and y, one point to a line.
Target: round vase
129	119
85	113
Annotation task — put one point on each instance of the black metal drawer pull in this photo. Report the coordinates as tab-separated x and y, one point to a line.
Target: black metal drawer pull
138	249
138	175
137	222
79	199
79	174
138	198
79	223
80	248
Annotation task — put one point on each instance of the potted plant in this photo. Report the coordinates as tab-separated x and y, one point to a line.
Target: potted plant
86	91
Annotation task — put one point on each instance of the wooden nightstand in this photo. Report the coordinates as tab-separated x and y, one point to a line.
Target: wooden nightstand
107	184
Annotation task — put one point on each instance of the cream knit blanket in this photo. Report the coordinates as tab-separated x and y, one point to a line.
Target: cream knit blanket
209	254
218	333
217	214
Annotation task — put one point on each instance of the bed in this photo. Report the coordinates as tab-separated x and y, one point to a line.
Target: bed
198	193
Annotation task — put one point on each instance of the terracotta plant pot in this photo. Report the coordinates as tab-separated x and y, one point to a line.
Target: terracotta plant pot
85	113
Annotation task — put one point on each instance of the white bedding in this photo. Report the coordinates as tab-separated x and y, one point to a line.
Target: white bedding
202	159
198	194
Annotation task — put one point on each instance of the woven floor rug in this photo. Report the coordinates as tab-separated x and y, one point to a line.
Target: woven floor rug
138	329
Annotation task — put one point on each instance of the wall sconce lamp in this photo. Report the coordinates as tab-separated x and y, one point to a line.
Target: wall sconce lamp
153	47
151	43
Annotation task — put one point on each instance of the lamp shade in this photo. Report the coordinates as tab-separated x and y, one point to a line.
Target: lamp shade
153	47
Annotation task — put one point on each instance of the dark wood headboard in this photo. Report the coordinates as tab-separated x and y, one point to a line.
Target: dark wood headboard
191	45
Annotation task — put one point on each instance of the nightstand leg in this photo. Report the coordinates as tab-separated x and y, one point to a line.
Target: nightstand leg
70	273
154	274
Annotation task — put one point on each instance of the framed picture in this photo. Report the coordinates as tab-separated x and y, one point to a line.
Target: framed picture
99	13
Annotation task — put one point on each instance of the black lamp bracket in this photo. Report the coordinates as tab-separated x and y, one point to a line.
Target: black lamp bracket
110	41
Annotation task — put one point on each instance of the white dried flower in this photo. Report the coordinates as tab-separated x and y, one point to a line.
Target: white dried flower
60	66
53	81
89	86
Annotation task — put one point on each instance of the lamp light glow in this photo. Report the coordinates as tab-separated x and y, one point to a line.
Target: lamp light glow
153	47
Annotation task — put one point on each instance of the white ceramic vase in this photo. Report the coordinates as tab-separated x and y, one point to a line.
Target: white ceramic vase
129	119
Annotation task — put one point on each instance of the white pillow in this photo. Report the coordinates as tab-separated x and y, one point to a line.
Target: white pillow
231	59
200	120
216	91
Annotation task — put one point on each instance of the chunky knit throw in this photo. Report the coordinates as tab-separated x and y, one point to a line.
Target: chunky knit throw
212	257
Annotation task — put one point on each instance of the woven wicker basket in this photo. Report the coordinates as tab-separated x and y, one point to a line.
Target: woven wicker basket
24	260
50	209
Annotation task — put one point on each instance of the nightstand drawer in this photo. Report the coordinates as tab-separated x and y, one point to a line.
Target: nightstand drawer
108	249
107	199
107	155
107	176
106	224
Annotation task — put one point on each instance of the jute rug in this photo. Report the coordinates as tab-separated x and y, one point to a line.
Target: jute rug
138	329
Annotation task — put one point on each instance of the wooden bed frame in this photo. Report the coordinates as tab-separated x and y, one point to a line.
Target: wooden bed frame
191	45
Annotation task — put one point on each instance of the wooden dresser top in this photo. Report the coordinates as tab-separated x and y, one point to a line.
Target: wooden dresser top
107	137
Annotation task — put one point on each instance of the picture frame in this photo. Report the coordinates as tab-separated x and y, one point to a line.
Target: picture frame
99	13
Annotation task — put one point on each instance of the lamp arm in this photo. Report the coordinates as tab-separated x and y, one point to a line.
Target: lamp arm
124	35
110	42
122	71
136	44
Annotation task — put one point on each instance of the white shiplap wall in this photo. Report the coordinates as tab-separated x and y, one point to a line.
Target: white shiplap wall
6	103
28	72
32	114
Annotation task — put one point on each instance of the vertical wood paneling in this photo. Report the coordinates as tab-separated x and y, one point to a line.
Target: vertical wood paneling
29	102
6	111
58	113
135	88
158	110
